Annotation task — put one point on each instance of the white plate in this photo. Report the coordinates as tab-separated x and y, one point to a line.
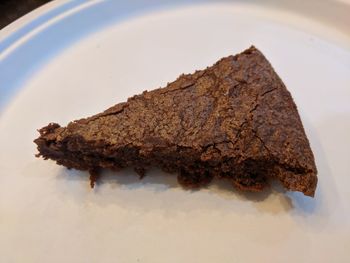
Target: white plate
71	59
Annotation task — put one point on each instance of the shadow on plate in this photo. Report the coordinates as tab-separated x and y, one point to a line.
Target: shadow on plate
272	200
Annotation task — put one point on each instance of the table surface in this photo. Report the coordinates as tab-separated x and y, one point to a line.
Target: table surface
11	10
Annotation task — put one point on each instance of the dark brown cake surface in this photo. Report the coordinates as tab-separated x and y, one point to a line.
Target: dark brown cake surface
234	120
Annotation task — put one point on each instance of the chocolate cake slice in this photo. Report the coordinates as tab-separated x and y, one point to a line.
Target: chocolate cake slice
234	120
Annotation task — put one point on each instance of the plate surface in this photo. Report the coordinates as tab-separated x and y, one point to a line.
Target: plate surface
71	59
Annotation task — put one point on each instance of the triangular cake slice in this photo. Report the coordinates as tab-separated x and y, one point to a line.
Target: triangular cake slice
234	120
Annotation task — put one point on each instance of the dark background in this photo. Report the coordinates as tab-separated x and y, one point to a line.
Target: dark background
10	10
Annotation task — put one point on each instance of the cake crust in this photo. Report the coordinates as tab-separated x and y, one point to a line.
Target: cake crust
234	120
